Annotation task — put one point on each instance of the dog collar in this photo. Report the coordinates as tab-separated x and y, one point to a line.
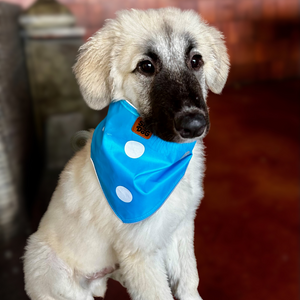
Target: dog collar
137	170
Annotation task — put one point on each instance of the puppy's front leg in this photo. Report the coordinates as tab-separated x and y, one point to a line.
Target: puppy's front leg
145	277
181	263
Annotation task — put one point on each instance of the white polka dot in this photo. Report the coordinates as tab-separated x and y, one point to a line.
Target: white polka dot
123	194
103	128
134	149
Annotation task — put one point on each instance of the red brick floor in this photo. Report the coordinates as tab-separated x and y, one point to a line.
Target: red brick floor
247	227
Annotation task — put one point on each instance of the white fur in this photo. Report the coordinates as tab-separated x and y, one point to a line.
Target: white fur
79	236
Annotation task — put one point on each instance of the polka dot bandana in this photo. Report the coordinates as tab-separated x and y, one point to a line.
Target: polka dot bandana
137	170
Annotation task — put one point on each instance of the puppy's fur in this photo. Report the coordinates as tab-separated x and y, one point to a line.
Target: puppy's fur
80	243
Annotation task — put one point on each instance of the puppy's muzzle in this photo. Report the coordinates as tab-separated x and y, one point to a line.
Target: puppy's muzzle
190	125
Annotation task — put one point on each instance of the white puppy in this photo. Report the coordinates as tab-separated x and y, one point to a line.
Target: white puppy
162	62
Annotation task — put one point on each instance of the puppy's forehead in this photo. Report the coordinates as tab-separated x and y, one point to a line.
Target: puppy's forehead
168	33
170	44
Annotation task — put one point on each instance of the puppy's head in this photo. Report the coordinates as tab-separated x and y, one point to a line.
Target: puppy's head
163	62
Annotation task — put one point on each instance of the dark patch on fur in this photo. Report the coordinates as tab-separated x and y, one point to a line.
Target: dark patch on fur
167	29
191	43
152	55
168	97
169	92
151	52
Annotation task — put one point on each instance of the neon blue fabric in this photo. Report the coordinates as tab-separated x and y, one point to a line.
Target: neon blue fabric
136	174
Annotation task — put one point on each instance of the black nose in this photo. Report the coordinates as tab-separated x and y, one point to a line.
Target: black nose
190	125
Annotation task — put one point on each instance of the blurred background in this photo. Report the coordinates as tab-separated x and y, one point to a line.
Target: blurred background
247	227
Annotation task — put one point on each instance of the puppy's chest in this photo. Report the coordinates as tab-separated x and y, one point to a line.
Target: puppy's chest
184	200
156	231
186	197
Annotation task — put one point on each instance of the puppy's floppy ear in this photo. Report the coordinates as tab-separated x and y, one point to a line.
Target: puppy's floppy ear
217	67
92	68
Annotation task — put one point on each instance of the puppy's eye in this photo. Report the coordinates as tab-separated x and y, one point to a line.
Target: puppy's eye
196	62
146	67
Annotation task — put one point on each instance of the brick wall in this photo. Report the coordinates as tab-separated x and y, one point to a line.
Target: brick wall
262	36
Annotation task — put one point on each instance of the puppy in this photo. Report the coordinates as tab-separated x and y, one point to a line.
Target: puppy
163	62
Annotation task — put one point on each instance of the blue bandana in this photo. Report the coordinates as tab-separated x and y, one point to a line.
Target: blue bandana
137	170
